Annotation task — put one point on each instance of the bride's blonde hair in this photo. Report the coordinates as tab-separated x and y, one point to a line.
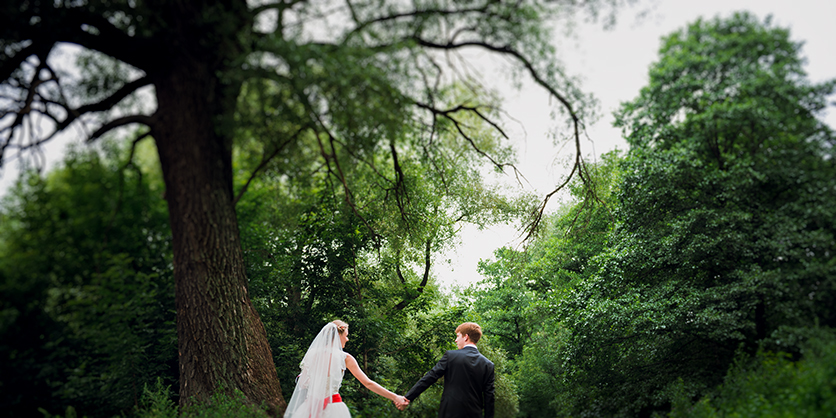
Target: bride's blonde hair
341	326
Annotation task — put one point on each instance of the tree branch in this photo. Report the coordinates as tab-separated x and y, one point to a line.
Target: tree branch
37	48
119	197
363	160
519	57
264	162
339	174
411	14
538	214
400	186
139	52
576	122
459	108
273	6
33	97
119	122
102	105
427	263
26	109
447	114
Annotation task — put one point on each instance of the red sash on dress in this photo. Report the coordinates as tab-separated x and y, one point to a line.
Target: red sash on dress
332	399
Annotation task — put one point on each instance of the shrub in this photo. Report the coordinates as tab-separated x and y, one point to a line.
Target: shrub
773	385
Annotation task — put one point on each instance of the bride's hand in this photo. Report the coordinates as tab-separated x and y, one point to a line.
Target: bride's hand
401	403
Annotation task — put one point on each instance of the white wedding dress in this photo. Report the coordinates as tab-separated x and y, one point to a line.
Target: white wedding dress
318	386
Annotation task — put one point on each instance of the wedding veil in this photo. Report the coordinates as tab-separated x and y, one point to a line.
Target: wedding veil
321	373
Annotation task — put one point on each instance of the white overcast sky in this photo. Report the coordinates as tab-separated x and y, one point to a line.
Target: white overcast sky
613	66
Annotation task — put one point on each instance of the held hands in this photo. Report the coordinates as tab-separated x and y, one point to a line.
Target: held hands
401	402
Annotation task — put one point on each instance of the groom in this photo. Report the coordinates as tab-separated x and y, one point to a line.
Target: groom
468	378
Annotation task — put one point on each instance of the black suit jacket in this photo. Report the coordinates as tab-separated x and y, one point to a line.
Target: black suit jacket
468	384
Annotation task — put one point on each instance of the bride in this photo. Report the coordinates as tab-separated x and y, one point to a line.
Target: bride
318	386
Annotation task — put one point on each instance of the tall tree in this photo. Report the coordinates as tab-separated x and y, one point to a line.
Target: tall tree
347	74
724	240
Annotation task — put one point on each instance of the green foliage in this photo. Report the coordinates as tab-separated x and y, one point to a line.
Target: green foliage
539	371
773	385
670	278
713	238
724	231
730	90
87	290
503	301
68	413
156	403
506	402
370	145
222	405
516	302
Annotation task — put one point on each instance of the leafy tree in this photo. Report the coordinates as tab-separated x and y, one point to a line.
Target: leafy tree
504	301
349	76
311	258
725	236
517	300
519	286
87	291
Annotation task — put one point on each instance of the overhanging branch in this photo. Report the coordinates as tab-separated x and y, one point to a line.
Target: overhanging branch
538	78
119	122
46	103
37	48
339	174
448	114
411	14
424	280
265	159
142	53
280	5
102	105
506	50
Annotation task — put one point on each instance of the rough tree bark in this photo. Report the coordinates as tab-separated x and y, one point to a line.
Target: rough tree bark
221	337
222	341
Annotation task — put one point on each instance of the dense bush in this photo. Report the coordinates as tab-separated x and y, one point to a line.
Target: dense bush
773	385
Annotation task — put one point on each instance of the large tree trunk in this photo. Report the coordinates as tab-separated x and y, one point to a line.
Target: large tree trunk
222	341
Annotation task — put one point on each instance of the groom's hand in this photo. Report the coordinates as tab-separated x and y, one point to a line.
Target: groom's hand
401	403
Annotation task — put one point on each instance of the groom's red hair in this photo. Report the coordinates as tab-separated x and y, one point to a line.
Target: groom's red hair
472	330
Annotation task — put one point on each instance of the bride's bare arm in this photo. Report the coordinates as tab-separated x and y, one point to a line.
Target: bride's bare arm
370	384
